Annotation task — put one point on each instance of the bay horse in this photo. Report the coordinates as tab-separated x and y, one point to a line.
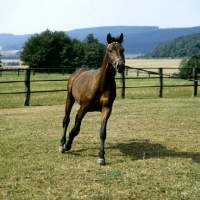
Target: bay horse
94	90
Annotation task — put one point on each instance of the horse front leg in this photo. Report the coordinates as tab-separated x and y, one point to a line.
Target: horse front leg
105	116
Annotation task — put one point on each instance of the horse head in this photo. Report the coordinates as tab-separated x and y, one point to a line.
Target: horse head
116	52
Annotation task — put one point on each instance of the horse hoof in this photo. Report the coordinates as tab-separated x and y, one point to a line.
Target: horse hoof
101	161
67	147
61	149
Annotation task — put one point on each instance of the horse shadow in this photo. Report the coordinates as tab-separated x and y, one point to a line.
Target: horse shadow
143	149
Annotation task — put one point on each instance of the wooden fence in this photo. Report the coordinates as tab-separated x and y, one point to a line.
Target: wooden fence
124	76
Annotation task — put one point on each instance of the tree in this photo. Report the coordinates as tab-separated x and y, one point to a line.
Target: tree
186	66
77	54
0	61
50	50
56	49
180	47
94	51
0	65
90	39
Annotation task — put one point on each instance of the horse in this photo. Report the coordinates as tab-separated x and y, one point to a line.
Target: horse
94	90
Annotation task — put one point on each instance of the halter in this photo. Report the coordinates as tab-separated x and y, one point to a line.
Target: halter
118	59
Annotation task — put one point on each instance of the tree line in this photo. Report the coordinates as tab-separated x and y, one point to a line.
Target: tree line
57	50
186	46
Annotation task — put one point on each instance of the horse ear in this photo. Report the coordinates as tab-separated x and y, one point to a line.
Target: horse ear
121	37
109	38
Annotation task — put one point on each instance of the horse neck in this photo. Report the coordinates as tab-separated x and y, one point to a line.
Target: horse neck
107	73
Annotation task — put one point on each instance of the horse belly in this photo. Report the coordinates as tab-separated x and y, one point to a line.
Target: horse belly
96	106
83	92
76	92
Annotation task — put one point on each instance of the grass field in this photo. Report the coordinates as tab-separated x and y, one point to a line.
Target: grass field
152	152
152	146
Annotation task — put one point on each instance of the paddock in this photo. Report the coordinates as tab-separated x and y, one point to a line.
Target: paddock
152	149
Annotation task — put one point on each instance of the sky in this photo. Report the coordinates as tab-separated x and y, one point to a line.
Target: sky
35	16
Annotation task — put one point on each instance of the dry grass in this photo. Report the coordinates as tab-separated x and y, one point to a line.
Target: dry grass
137	63
16	67
152	152
155	64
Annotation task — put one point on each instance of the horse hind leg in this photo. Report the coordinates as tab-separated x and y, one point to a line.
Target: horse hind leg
69	103
75	130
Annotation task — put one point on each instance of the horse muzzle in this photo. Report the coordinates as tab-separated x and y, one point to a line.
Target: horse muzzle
119	65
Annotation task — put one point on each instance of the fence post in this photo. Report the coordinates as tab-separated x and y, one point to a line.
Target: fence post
195	81
138	72
27	87
122	80
126	69
160	72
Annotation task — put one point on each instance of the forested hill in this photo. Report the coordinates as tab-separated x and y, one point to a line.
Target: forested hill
180	47
137	39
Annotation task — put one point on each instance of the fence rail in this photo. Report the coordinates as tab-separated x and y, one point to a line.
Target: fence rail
125	76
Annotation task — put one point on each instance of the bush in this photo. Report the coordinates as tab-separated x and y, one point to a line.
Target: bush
186	66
